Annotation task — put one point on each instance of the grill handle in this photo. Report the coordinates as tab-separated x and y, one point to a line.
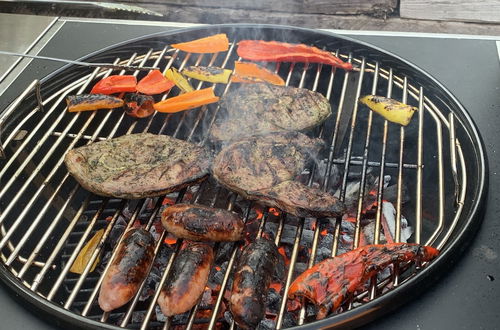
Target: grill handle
5	115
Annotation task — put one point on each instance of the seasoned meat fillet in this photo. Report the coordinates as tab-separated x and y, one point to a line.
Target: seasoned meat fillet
138	165
263	168
252	278
254	109
188	278
202	223
127	270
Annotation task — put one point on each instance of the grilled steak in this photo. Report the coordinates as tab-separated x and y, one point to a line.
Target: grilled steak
262	108
138	165
202	223
263	168
252	278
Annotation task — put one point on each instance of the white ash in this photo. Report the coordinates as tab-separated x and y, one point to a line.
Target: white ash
389	213
160	317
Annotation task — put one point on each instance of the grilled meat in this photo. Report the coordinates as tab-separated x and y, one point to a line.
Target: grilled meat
255	109
188	278
251	281
328	283
263	168
128	269
202	223
138	165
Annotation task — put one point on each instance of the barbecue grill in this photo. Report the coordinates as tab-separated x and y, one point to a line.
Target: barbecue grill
438	158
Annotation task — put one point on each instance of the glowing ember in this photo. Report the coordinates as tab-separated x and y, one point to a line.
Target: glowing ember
282	251
168	201
324	232
276	286
274	211
170	240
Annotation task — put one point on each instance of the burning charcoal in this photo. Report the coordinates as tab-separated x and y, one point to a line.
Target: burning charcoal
137	317
266	324
180	318
160	317
311	311
228	317
288	320
391	194
273	301
216	279
389	213
223	252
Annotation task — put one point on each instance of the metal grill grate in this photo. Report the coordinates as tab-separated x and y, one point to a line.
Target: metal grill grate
46	218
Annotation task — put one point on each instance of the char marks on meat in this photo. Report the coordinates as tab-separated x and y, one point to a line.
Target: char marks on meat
188	278
202	223
138	165
263	168
252	278
254	109
127	270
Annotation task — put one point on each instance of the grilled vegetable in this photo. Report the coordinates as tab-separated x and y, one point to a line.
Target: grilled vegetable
188	278
87	102
138	105
115	84
274	51
85	254
390	109
328	283
253	73
211	74
211	44
154	83
128	269
179	80
202	223
187	101
252	278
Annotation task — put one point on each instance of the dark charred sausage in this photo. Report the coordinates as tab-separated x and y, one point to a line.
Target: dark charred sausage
251	282
128	269
188	278
202	223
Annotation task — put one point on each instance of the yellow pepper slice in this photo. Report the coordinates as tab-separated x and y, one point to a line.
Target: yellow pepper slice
179	80
211	74
392	110
85	254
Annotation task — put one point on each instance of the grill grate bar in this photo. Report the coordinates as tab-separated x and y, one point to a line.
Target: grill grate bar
420	162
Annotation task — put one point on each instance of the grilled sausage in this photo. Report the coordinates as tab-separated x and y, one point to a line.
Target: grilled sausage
188	278
251	282
202	223
86	102
128	269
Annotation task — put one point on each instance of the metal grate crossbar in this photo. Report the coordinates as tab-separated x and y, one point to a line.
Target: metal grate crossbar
46	217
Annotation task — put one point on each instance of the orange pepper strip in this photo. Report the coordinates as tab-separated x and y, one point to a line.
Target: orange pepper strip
187	101
212	44
253	73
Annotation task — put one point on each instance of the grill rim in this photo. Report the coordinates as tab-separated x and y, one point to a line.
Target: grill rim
368	311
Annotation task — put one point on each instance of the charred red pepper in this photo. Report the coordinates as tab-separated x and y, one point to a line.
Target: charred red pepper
138	105
154	83
115	84
275	51
328	283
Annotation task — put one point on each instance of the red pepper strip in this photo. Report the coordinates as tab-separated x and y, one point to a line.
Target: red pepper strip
274	51
212	44
187	101
115	84
154	83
